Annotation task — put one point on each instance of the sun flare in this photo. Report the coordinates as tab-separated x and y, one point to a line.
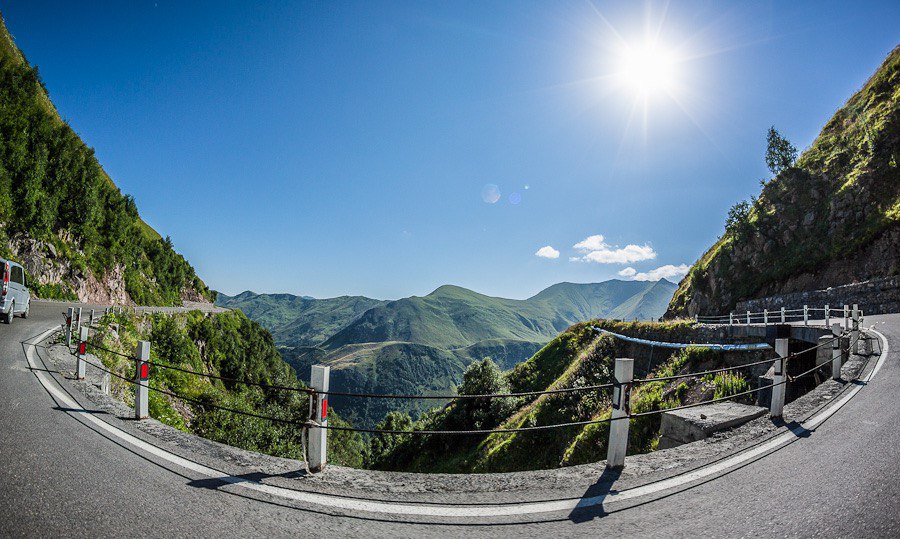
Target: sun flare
647	70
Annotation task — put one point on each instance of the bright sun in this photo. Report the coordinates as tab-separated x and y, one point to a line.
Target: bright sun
647	69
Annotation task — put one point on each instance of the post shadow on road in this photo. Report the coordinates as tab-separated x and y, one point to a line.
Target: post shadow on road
592	499
794	427
213	483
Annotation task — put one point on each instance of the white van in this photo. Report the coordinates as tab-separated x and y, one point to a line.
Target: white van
14	295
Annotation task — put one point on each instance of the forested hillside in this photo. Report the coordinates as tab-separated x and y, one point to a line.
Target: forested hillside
830	218
60	214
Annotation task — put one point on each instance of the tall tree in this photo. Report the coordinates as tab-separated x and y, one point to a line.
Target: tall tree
780	153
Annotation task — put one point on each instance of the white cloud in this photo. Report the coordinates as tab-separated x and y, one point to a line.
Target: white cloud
597	250
668	271
547	252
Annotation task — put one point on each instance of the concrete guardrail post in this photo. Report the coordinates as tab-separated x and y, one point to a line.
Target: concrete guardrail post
846	317
70	312
78	322
621	412
80	365
806	315
854	332
776	408
91	319
765	317
782	315
318	413
836	352
730	319
141	378
748	318
827	316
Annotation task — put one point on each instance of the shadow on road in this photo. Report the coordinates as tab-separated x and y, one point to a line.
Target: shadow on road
591	504
213	483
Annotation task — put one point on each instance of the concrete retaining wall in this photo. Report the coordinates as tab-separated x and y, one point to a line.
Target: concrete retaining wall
875	296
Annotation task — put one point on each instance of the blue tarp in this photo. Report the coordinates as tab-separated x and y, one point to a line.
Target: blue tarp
714	346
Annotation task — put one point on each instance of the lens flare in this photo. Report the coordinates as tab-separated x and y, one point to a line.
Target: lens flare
490	193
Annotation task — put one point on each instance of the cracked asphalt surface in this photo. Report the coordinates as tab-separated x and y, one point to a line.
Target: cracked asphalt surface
61	475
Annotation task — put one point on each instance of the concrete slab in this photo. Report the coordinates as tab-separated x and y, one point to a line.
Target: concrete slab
685	426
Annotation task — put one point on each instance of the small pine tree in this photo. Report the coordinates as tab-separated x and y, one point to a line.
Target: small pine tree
780	153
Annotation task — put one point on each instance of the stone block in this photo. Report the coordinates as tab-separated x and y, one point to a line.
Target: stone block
679	427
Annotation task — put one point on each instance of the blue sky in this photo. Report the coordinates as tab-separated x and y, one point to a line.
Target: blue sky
386	148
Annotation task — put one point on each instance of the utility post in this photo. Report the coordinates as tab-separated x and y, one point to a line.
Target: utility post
141	377
318	413
836	352
782	334
80	365
621	413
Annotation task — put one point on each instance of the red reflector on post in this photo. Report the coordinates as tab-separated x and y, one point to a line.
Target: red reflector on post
145	371
82	348
324	409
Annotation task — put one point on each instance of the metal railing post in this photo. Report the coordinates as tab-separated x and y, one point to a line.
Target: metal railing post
141	377
318	402
776	408
80	364
621	412
806	315
836	352
70	312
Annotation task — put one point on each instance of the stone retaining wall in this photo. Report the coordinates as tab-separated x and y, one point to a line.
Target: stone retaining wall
875	296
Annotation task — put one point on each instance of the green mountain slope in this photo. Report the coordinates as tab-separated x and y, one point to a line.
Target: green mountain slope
61	215
423	344
299	321
831	219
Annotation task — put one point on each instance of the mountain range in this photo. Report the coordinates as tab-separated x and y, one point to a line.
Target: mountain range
422	344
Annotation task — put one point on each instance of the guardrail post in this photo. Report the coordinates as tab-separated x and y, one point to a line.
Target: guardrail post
776	408
782	315
765	317
806	315
318	402
854	332
80	365
827	316
69	313
91	319
836	352
141	376
730	319
78	323
846	317
621	412
748	318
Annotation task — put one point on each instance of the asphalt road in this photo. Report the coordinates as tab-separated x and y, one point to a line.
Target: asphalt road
61	475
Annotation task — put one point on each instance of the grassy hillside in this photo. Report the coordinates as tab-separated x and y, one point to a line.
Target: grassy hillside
226	344
297	320
830	219
423	344
62	216
578	357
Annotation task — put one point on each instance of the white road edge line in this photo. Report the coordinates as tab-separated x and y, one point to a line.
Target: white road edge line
484	511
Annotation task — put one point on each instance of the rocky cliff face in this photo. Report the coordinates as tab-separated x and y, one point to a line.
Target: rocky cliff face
831	219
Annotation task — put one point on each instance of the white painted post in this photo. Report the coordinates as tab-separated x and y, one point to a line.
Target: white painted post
91	319
765	317
854	333
80	365
782	315
806	315
78	323
141	376
318	402
836	352
777	406
621	412
827	316
70	312
846	317
730	319
748	318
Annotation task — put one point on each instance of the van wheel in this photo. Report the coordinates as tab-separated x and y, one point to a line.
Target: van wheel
27	308
12	313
